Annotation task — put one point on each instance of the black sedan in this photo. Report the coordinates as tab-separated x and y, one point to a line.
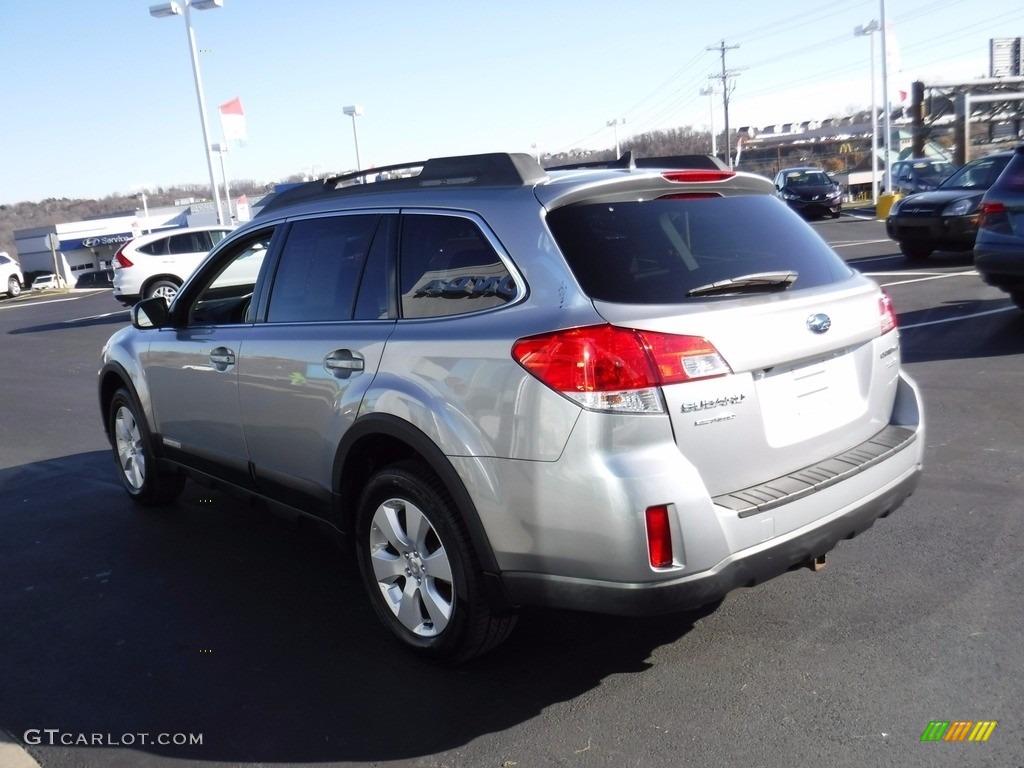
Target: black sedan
809	191
945	219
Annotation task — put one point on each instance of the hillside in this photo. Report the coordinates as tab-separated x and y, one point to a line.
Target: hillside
27	215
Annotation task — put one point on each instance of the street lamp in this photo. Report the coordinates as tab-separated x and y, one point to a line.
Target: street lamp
354	111
615	125
710	93
182	9
860	31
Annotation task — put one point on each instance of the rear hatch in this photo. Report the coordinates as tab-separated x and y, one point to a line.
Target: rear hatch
809	345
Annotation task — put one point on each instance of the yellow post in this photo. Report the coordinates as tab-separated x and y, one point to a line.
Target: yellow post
885	203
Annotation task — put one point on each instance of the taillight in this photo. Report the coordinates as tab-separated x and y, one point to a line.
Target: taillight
120	261
603	367
659	536
888	313
687	177
994	216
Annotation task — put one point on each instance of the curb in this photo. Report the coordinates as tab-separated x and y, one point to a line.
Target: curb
13	755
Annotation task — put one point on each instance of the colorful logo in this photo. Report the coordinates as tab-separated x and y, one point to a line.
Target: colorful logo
959	730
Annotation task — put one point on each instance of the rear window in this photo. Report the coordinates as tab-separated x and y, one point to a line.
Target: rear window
1012	177
656	251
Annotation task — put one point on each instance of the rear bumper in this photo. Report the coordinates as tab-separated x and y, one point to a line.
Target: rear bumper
1001	268
744	569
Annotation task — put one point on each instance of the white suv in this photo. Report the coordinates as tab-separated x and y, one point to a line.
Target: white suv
10	275
158	263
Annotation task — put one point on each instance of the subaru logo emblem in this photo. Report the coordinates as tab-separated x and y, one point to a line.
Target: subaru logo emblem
819	323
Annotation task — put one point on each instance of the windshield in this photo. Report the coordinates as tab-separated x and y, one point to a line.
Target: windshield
807	179
977	174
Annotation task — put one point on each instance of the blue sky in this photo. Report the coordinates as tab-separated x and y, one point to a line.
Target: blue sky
98	97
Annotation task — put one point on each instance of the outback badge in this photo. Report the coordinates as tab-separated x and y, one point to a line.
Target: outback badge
819	323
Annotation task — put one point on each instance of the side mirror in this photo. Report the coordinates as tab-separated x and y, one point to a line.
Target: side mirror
150	313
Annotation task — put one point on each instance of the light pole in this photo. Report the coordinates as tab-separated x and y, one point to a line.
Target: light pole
355	111
710	93
142	189
182	9
869	30
886	117
615	125
222	149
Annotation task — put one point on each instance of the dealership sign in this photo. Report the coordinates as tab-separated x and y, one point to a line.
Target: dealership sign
96	242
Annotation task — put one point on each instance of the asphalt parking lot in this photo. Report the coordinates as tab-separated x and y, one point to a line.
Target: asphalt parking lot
215	620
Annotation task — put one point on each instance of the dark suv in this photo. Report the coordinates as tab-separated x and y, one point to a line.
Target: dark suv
511	386
999	247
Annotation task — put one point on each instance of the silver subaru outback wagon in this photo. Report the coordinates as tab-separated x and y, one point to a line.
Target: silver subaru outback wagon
618	389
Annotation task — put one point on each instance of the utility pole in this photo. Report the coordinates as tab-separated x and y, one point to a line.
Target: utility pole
724	77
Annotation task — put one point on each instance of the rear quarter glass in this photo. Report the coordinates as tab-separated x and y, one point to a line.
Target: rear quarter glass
656	251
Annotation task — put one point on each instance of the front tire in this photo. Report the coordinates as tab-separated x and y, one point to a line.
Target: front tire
136	463
1017	297
13	286
419	569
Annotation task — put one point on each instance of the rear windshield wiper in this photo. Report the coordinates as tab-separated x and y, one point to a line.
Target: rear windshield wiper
759	282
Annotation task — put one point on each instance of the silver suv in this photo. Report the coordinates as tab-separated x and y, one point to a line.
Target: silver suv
624	390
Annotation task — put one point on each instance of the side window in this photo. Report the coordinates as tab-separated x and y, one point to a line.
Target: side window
226	295
447	267
320	269
156	248
189	242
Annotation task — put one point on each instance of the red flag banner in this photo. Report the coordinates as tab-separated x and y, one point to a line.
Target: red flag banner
232	121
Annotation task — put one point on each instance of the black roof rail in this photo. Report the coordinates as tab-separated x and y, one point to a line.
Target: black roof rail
494	169
627	161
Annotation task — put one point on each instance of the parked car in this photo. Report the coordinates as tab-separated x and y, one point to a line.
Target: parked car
158	263
48	282
11	277
945	219
999	246
921	175
101	278
511	386
810	191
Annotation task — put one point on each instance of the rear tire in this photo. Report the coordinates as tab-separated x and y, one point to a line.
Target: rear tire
419	569
1017	297
166	289
916	251
13	286
134	458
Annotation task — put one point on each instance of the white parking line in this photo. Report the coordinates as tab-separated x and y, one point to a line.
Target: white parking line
11	305
864	242
958	318
971	273
97	317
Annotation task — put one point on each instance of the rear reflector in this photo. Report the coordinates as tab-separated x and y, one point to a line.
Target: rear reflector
659	536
